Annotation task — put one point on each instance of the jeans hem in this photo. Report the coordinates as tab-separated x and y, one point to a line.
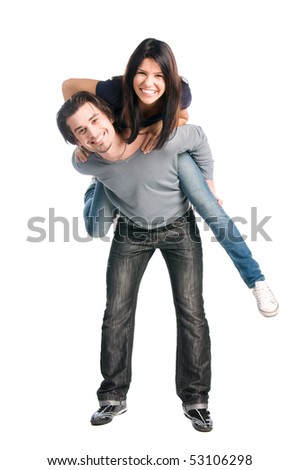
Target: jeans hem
112	402
261	278
195	406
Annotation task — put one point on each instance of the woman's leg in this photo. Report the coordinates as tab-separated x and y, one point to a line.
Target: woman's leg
199	194
98	212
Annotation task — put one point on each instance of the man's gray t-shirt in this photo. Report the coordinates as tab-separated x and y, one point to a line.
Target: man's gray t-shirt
146	188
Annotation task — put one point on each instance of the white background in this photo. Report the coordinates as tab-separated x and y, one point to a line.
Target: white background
241	60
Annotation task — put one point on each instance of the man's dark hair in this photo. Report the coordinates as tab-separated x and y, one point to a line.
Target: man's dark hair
72	105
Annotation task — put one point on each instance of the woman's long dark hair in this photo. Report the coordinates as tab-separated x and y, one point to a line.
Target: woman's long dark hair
131	116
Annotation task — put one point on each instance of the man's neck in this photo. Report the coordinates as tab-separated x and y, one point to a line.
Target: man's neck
120	150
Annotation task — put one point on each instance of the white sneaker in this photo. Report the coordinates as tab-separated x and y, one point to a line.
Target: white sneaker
266	301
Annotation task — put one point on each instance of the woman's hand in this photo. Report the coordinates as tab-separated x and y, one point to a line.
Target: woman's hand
81	154
151	133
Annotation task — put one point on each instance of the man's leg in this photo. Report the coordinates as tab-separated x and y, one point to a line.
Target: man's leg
126	265
182	252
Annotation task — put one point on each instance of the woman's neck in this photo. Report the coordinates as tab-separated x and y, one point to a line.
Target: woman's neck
149	110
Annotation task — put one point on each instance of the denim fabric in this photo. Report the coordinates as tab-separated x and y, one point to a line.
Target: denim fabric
98	211
195	187
131	250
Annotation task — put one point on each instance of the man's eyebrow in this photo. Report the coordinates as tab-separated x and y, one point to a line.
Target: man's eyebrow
90	119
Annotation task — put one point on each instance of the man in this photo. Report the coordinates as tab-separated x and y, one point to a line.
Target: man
154	214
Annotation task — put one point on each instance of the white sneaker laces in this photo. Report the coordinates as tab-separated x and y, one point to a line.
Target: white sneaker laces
264	294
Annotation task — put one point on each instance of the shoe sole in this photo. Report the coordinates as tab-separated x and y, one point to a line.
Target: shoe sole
107	420
202	429
199	428
269	314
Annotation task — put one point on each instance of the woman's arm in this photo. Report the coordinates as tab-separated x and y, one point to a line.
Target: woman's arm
152	132
72	85
183	117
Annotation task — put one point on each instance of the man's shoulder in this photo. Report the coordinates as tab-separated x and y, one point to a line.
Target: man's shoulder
88	167
189	127
188	130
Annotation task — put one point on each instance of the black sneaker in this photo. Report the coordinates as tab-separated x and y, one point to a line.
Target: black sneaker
105	414
200	417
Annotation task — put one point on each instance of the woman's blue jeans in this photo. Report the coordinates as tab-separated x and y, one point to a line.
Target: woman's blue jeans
99	213
196	189
131	250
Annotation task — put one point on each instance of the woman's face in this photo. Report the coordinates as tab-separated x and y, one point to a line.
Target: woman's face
149	83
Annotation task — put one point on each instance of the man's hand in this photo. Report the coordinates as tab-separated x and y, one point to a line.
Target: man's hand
220	201
212	188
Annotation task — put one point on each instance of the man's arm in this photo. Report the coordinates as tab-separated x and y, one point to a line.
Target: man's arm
194	141
88	168
72	85
201	153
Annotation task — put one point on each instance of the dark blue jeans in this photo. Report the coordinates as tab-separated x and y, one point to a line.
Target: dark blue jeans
131	250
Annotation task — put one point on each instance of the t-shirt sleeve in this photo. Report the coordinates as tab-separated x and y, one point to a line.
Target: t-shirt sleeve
111	92
83	168
195	141
186	96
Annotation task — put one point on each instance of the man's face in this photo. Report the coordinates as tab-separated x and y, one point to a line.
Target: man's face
92	129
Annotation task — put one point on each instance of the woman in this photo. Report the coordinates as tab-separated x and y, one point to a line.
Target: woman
152	98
